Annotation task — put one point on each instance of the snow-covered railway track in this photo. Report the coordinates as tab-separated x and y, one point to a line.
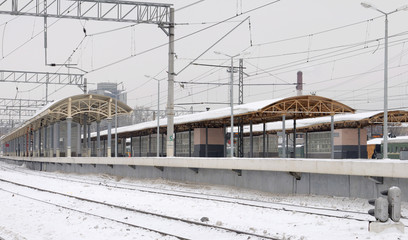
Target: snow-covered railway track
165	225
320	211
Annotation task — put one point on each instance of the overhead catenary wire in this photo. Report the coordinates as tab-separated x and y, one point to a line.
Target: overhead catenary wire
181	38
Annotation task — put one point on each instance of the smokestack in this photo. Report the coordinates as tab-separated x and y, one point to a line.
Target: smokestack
299	85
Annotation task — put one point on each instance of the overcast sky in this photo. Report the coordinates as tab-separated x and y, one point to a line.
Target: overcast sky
337	44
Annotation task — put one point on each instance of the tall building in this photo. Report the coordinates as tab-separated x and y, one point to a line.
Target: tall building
110	90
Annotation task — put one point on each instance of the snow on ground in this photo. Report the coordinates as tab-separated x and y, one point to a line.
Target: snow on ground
24	218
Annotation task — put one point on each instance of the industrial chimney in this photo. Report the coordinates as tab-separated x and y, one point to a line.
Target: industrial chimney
299	84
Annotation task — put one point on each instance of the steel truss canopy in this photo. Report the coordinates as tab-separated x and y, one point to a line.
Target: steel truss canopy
99	10
257	112
357	120
298	107
41	77
95	107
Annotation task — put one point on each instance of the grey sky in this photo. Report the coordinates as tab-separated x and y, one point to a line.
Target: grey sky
345	64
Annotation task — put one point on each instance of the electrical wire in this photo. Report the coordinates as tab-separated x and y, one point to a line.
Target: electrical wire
183	37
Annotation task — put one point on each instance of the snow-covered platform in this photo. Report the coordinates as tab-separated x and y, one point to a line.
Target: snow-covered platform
355	167
346	177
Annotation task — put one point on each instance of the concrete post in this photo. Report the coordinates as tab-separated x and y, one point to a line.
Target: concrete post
57	139
35	143
89	140
251	140
263	140
332	135
52	140
85	134
98	138
78	144
140	145
189	142
206	140
283	136
294	138
109	120
45	141
359	143
39	141
170	89
69	123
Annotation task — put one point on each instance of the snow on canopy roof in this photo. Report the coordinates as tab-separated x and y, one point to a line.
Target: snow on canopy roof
251	111
196	117
95	106
352	119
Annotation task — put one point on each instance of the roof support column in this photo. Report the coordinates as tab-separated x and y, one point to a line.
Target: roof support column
283	136
39	141
34	143
79	153
52	140
251	140
69	124
98	138
306	145
109	150
206	140
89	140
225	140
45	141
189	142
57	139
359	142
85	138
69	127
294	138
332	135
263	140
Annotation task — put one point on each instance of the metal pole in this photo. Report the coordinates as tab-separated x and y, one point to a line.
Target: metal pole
332	136
116	126
170	89
158	120
283	136
232	106
385	134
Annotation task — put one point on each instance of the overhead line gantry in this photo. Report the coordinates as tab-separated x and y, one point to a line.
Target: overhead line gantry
114	11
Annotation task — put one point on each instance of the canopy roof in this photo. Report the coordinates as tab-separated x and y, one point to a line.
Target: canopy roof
96	107
340	121
271	110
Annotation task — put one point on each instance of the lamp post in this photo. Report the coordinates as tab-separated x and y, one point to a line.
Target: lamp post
158	114
385	119
231	96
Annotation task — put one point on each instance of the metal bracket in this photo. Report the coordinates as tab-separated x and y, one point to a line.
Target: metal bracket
194	169
377	180
238	171
110	165
160	168
296	175
132	166
94	165
80	164
164	29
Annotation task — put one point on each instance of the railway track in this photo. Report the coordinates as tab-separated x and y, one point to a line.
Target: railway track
196	230
320	211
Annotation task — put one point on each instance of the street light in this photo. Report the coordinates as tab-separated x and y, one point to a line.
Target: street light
116	117
158	114
385	128
231	95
